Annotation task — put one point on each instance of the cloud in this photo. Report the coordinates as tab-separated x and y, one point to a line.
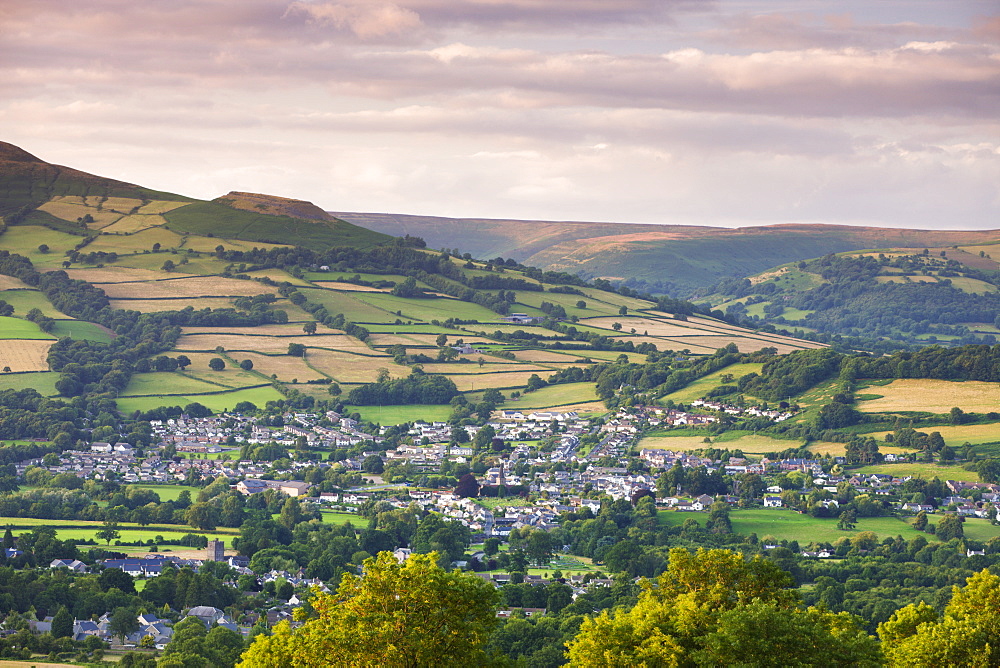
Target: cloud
367	20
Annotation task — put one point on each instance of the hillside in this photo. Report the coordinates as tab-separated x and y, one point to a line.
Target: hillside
114	290
938	295
34	192
661	259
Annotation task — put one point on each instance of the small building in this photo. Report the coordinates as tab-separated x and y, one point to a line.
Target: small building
216	550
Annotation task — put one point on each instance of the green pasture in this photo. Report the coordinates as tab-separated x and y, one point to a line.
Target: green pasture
568	302
754	444
333	517
81	331
348	303
43	381
922	470
231	376
700	387
25	300
785	524
25	240
166	382
16	328
216	402
414	328
171	492
555	395
387	415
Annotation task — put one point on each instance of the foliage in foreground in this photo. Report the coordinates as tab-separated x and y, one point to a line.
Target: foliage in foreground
714	608
409	614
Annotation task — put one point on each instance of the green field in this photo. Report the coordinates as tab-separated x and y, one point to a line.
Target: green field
957	435
387	415
166	382
82	331
749	443
922	470
785	524
25	300
216	402
555	395
43	381
15	328
170	492
701	386
333	517
25	240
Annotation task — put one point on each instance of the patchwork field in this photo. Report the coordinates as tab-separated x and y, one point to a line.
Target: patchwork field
556	395
347	368
284	367
784	524
197	286
24	354
23	300
82	331
922	470
134	223
157	305
387	415
269	344
700	387
957	435
935	396
217	402
16	328
44	381
750	444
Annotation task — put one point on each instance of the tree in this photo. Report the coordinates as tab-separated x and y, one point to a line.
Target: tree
373	464
109	531
216	364
949	526
399	614
467	486
123	622
183	361
716	608
309	327
848	520
246	365
581	304
920	521
291	513
964	636
62	623
168	265
296	350
43	248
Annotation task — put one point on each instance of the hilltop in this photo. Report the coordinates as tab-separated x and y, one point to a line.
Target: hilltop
662	259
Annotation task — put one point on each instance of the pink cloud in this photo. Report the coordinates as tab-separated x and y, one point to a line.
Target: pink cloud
367	20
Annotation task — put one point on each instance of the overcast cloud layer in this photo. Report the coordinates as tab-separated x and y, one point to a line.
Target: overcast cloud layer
657	111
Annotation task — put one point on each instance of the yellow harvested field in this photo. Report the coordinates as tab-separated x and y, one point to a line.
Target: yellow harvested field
71	212
208	244
935	396
232	376
347	287
268	344
11	283
134	223
158	206
745	344
547	356
652	327
198	286
24	355
138	242
121	204
386	339
157	305
347	368
260	330
957	435
473	382
452	369
279	276
114	275
285	367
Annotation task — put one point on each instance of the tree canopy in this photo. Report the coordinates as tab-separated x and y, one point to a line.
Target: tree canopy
399	614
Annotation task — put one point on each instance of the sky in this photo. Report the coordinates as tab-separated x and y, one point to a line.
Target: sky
725	113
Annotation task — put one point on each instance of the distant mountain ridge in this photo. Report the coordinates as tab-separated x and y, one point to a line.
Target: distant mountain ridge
675	259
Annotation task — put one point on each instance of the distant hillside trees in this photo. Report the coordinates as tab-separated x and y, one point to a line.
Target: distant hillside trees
417	388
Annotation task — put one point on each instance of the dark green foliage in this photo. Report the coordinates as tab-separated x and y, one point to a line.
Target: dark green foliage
417	388
211	218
